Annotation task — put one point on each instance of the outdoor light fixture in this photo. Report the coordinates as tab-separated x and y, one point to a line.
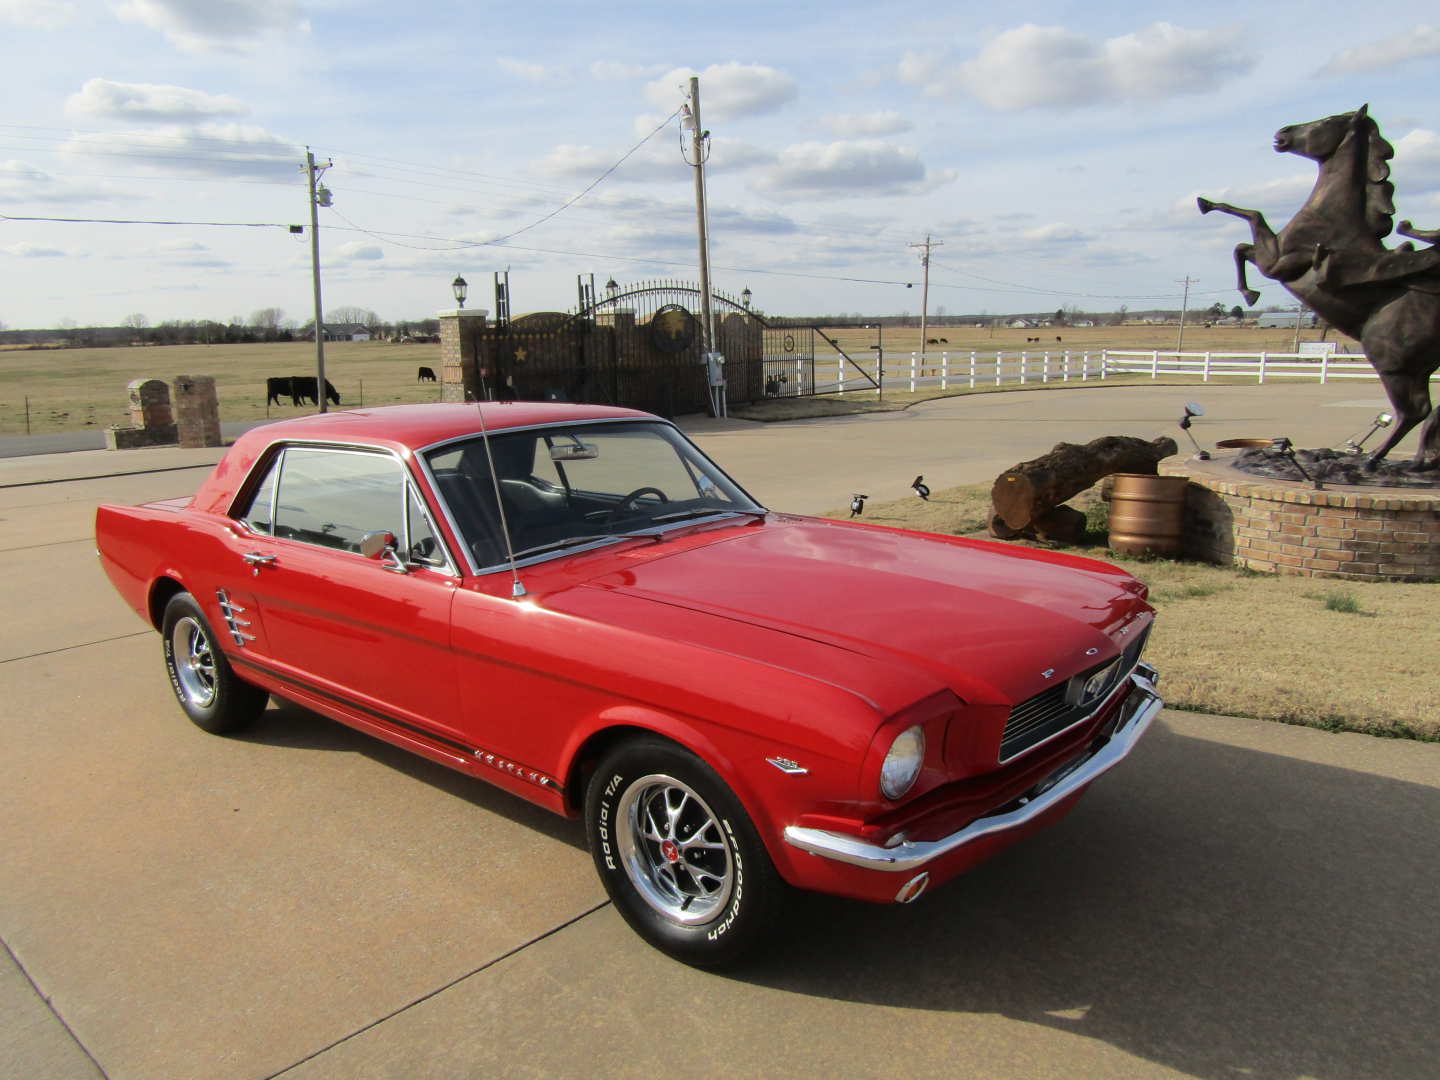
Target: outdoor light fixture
1383	419
1192	410
459	287
745	297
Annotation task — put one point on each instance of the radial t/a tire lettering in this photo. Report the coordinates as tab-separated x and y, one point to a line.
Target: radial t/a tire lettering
212	695
678	855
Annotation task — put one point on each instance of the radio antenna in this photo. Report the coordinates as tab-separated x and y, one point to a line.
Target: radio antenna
517	587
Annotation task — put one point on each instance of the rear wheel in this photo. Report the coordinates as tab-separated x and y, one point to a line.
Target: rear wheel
678	855
208	689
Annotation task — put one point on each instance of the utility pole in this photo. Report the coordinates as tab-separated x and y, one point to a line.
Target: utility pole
1184	303
319	196
690	118
1299	314
925	290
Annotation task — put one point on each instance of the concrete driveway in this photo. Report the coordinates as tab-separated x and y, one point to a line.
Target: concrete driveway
1241	899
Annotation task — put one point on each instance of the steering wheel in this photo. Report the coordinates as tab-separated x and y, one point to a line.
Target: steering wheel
629	500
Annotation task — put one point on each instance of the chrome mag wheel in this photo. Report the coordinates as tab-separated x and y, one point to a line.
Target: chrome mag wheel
674	849
194	661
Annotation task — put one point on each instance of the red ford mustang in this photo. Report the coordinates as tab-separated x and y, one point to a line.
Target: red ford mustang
574	603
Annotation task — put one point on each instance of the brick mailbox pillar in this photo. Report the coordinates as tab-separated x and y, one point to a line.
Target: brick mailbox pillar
152	423
198	411
461	334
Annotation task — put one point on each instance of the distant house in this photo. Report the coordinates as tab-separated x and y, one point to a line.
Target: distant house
345	332
1285	319
1022	324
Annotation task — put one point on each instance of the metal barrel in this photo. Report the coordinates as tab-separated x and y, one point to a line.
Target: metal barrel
1147	514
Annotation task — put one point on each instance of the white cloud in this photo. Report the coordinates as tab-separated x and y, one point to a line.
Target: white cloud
727	91
24	183
523	69
1414	44
24	250
149	101
359	251
231	150
37	14
1049	66
1417	161
209	25
1055	234
609	70
838	168
860	125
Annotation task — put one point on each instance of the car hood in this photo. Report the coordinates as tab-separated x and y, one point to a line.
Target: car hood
994	623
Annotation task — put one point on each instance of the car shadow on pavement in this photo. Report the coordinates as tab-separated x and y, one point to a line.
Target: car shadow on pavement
1214	909
287	725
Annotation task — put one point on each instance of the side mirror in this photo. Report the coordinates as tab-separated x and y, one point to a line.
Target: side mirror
380	545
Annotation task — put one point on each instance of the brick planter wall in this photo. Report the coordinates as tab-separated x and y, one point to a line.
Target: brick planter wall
1292	529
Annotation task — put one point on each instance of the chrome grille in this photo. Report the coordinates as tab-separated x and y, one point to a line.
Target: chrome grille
1058	709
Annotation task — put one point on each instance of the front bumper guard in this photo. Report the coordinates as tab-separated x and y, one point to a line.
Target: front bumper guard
1140	707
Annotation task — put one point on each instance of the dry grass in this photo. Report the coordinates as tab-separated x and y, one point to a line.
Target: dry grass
76	389
1344	657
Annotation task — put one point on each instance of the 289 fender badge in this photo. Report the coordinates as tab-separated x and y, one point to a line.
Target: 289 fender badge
787	766
1049	672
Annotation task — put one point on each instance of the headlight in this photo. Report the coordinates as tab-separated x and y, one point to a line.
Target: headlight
902	763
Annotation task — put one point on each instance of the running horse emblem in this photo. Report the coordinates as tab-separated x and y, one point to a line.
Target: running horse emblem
1330	256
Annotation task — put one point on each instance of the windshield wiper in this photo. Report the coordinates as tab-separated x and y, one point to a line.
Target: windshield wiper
575	541
685	515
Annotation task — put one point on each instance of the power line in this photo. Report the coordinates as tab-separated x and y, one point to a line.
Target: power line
137	221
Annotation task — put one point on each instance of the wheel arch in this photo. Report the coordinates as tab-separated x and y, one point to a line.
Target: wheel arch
620	725
165	588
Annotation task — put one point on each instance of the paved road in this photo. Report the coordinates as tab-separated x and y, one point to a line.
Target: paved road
1243	899
69	442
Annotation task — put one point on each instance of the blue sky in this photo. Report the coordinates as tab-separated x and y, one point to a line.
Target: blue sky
1055	148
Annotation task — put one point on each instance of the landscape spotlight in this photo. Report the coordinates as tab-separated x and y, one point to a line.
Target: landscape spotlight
459	287
1384	419
1192	410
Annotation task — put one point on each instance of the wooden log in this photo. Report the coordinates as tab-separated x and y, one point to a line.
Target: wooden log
1026	492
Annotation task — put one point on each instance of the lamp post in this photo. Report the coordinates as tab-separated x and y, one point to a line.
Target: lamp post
745	297
612	292
459	287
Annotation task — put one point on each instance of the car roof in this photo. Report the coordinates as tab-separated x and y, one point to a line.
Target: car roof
402	428
418	426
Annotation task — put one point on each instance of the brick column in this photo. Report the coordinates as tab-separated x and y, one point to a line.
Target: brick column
197	410
152	421
461	333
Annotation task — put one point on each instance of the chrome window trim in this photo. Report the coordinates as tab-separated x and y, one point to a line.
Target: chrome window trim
422	458
275	460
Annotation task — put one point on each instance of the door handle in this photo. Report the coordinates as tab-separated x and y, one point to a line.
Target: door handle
257	560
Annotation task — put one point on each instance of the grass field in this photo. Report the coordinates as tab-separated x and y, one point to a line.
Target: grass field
79	389
1344	656
85	389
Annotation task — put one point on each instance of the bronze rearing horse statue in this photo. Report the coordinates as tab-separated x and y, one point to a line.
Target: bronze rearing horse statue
1331	257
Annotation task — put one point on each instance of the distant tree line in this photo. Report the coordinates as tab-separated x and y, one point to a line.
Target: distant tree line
264	325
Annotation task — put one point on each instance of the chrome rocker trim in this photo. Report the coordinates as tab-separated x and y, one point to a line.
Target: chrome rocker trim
1140	708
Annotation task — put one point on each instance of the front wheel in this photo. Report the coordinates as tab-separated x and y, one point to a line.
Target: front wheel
678	855
209	691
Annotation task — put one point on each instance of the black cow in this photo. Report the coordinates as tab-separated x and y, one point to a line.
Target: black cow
281	386
425	375
304	387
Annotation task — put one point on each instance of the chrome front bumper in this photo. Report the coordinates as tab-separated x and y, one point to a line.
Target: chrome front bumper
1140	707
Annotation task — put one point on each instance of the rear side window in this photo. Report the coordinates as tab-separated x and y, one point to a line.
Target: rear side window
330	498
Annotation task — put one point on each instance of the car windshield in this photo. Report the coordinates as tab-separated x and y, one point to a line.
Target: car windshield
563	487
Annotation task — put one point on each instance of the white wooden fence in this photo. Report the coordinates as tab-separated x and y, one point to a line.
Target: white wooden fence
967	370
